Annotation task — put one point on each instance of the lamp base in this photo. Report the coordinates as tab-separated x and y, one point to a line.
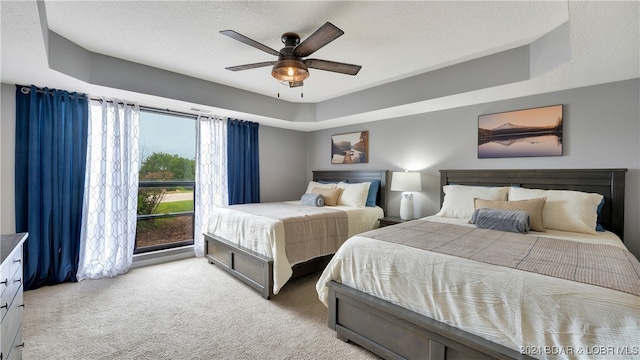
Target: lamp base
406	206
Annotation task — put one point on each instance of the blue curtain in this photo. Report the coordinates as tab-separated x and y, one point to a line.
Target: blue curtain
243	166
51	148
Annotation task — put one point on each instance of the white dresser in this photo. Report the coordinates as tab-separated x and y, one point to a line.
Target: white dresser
11	304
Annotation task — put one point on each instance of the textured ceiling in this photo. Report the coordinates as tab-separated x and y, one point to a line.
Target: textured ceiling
391	40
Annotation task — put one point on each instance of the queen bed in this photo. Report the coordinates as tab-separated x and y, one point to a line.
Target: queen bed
412	291
267	244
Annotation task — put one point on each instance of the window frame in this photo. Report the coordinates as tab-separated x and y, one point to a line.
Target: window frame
160	184
170	183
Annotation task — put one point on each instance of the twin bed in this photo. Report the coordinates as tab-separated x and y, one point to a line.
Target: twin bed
440	288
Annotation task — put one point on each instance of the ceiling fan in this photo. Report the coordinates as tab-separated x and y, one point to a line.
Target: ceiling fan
290	68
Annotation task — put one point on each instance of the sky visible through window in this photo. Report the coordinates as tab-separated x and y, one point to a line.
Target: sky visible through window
170	134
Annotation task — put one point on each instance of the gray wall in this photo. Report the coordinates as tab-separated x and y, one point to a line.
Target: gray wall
601	130
283	164
7	159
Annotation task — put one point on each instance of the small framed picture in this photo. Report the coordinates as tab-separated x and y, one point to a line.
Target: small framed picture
351	148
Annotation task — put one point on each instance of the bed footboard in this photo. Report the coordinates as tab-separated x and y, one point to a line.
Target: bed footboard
393	332
250	267
254	269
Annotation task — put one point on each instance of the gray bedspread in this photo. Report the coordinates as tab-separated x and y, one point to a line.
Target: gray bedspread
309	231
571	260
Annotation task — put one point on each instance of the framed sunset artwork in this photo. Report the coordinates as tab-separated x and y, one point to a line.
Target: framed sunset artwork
521	133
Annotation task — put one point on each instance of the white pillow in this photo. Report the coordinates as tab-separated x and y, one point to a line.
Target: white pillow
459	199
313	184
565	210
354	195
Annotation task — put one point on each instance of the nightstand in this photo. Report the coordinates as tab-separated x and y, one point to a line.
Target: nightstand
391	220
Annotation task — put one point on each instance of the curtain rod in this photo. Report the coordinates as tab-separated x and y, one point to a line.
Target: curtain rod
168	111
27	89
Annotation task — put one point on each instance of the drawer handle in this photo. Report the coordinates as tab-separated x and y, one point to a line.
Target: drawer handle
17	260
5	282
17	281
6	306
21	345
19	306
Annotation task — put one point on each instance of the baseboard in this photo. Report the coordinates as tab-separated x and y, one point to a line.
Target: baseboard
162	256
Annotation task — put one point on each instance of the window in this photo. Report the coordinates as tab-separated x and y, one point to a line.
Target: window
166	181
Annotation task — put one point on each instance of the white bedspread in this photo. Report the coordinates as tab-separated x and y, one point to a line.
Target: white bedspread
542	316
265	235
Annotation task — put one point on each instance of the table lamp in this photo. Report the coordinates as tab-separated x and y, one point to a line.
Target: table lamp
406	182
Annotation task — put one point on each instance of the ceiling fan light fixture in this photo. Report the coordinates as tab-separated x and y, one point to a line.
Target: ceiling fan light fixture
290	70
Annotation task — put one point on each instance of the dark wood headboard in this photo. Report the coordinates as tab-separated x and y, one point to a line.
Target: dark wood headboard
356	176
608	182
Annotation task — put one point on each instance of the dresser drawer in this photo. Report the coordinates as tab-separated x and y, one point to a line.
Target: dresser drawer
5	275
16	349
11	324
14	283
10	267
15	262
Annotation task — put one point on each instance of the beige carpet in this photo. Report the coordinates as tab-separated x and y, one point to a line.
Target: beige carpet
185	309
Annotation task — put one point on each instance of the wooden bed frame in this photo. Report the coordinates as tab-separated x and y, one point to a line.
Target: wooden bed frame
256	270
397	333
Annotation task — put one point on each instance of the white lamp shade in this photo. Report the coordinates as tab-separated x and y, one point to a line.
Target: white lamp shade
406	181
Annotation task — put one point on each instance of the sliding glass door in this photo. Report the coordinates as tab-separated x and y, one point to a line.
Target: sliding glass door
166	181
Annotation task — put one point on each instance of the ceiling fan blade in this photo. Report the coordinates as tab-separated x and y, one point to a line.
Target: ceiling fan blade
338	67
324	35
250	66
234	35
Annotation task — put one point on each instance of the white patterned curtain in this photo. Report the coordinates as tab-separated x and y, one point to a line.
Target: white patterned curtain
211	174
109	214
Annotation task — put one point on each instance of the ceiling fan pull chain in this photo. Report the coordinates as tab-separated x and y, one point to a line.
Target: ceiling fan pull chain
302	91
278	89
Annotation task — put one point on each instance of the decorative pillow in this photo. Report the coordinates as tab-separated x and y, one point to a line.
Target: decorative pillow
565	210
311	199
330	195
314	184
532	206
517	221
354	195
599	226
458	199
373	193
